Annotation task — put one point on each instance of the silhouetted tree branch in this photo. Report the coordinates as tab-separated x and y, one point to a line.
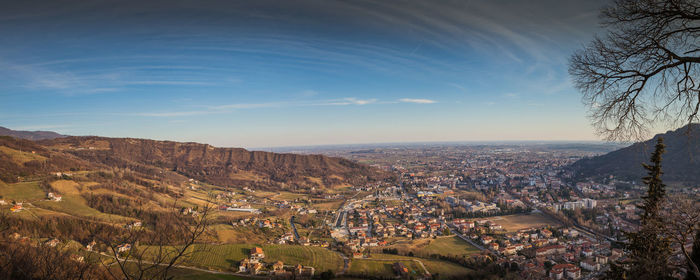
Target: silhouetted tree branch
644	70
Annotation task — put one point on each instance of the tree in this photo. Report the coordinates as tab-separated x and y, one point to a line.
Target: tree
644	70
682	219
649	248
158	248
695	257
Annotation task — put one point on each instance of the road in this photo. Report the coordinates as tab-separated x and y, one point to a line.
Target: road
346	263
294	228
455	231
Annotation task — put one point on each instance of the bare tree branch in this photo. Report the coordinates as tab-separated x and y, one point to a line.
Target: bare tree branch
642	73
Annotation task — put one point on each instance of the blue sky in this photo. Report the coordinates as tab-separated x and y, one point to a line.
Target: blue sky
291	73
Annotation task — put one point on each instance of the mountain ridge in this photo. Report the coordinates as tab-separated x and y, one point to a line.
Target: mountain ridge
221	166
30	135
681	161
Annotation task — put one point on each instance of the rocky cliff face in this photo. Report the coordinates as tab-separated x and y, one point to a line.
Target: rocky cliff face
221	166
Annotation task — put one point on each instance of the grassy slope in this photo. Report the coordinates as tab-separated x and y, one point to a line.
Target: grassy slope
227	257
516	222
443	268
381	268
74	204
20	157
23	191
446	245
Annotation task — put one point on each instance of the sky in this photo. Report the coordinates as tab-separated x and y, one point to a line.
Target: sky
264	73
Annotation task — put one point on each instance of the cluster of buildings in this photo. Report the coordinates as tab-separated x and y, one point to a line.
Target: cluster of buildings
254	264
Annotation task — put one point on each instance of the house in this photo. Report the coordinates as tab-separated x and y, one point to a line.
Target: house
123	247
2	202
601	259
243	266
90	246
257	253
53	242
278	266
571	271
16	208
54	197
400	269
590	265
304	271
552	249
255	268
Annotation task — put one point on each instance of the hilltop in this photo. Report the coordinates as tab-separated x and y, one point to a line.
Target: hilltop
220	166
681	161
29	135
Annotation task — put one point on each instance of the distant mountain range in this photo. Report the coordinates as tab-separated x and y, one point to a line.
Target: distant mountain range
165	159
29	135
681	162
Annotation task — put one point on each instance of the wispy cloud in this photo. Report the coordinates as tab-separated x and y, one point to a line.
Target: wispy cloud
177	113
417	100
351	101
227	108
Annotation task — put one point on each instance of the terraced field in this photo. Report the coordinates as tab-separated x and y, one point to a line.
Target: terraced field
227	257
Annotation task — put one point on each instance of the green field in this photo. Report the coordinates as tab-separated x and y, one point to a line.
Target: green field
186	274
444	245
449	245
23	191
226	257
75	205
513	223
369	267
443	268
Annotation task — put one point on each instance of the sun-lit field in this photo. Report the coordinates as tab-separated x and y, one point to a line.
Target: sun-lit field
445	245
187	274
23	191
368	267
226	257
288	196
74	204
21	157
516	222
376	265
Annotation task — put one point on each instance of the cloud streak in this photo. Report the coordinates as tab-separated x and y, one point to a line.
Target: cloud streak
417	100
227	108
